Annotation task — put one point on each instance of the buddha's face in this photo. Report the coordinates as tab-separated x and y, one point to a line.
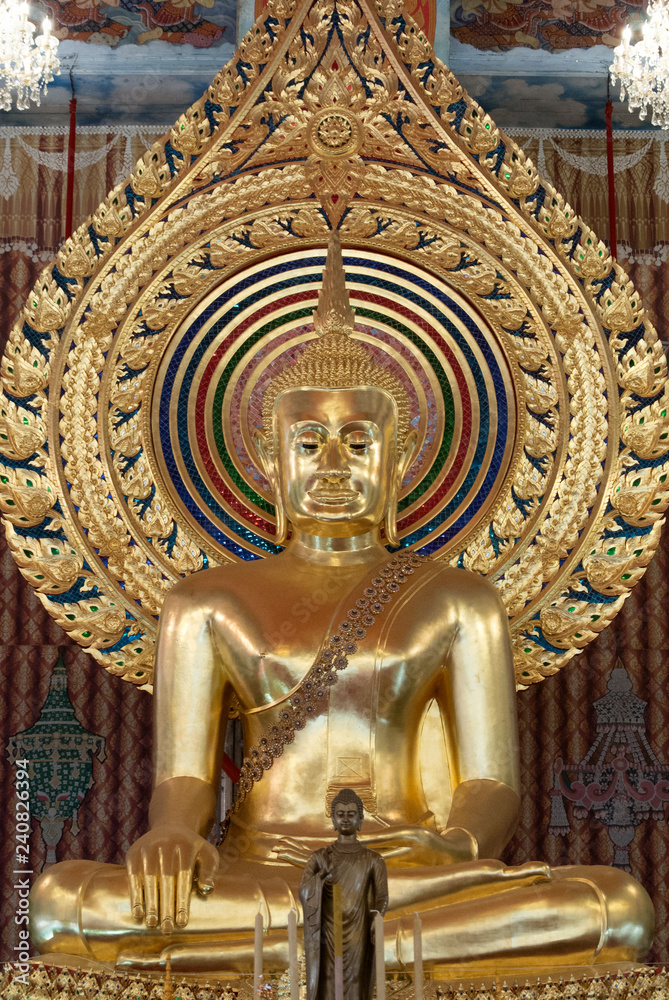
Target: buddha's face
346	818
335	458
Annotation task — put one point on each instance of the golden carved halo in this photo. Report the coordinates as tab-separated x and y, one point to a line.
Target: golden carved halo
536	379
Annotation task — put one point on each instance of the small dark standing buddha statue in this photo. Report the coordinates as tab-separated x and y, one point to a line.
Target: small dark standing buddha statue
361	873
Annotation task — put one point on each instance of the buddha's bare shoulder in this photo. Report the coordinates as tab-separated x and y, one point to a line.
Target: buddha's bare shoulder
228	582
444	585
436	585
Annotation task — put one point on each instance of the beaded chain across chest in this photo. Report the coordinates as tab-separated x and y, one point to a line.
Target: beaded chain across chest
333	657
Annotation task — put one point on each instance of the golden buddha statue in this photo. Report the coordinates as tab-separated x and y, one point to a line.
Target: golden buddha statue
339	702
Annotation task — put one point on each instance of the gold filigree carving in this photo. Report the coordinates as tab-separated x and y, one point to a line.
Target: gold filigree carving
287	132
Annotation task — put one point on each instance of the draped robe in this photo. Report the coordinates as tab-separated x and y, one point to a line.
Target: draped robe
361	873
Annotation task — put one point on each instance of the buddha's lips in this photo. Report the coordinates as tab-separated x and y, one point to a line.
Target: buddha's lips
330	497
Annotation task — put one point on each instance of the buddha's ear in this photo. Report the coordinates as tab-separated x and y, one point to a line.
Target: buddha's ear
402	465
266	456
406	455
265	453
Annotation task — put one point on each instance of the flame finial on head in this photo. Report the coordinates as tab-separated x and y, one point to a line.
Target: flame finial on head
336	359
334	313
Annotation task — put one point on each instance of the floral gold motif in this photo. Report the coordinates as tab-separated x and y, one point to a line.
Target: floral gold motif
334	115
334	133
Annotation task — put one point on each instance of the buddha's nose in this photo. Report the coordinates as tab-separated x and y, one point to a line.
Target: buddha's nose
333	475
335	467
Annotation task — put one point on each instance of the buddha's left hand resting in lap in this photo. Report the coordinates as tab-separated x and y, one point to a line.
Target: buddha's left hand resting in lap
382	639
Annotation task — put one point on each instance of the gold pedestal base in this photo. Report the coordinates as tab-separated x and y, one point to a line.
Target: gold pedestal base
63	978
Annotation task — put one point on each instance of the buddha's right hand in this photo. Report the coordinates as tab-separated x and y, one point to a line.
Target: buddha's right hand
162	866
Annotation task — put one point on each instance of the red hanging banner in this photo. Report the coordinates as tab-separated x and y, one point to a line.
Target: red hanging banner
71	146
613	236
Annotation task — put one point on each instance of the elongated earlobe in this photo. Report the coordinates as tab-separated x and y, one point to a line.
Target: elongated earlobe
268	466
281	519
390	524
403	464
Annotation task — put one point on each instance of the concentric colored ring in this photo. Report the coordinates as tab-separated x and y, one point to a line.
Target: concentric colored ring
208	396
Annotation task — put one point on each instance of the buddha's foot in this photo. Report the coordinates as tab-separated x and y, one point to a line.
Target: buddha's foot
134	960
205	958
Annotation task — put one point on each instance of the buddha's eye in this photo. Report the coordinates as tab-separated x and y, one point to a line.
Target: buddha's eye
308	441
358	441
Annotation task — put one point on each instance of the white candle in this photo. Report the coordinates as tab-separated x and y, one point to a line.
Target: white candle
168	992
380	957
292	955
417	957
257	955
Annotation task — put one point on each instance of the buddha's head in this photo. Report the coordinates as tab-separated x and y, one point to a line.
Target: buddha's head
347	812
336	439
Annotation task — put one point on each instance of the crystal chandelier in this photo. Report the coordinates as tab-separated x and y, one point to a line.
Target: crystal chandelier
27	64
643	69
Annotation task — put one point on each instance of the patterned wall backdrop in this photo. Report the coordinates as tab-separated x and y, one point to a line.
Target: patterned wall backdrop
557	717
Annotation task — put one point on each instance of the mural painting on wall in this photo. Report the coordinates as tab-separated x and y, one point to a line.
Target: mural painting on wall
115	22
60	755
542	24
620	780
